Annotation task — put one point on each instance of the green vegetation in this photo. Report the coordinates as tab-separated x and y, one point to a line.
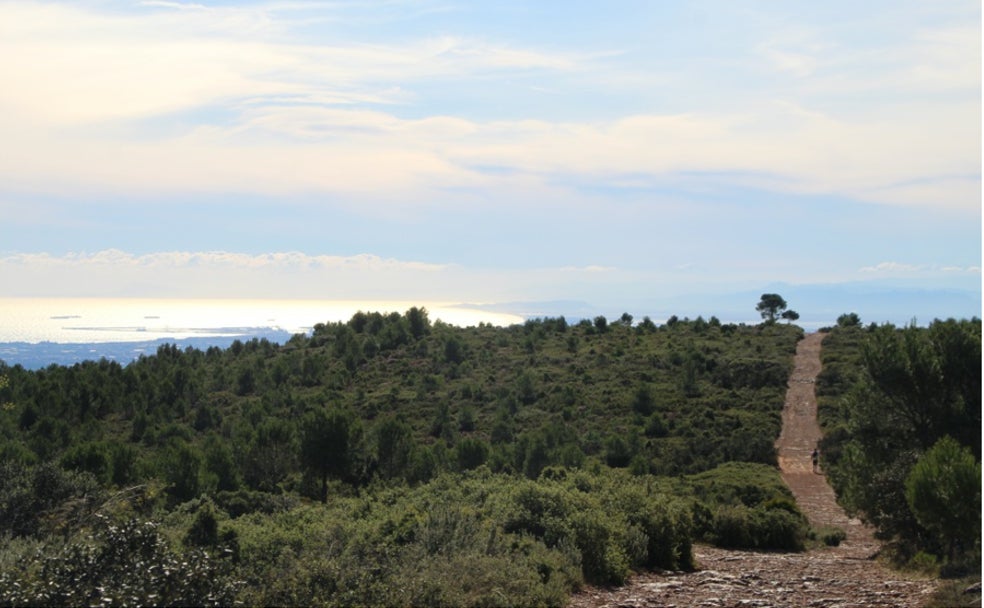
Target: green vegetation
901	411
391	460
772	306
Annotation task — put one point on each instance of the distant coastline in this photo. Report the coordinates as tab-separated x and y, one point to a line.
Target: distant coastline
96	320
37	332
42	354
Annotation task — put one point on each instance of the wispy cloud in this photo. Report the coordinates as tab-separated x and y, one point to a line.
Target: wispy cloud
514	150
593	269
282	275
376	155
330	117
134	65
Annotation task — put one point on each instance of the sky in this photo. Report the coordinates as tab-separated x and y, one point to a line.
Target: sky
467	151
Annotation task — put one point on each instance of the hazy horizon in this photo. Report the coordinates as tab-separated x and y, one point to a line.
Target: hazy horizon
38	332
82	320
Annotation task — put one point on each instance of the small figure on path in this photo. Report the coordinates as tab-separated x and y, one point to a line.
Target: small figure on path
816	459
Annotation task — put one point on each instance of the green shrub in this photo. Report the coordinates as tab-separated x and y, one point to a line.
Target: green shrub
35	497
944	493
93	457
613	521
736	482
664	522
439	544
603	559
731	527
471	453
778	529
204	530
126	563
831	536
740	527
925	563
242	502
541	510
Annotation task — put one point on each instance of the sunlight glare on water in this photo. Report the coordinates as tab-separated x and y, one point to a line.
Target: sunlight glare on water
83	320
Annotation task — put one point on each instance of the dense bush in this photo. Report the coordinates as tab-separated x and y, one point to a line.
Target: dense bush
738	526
747	506
896	404
830	536
443	543
125	563
38	500
572	527
943	491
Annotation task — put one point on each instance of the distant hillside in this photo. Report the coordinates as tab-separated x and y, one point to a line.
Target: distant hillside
597	388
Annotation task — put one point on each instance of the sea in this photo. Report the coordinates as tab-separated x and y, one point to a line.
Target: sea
36	332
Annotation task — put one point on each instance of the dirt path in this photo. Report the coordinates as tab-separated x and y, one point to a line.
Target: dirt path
800	435
829	577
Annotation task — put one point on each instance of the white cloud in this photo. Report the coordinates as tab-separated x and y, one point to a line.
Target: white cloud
377	155
141	64
892	267
946	58
218	259
77	67
900	268
221	274
81	101
871	55
589	269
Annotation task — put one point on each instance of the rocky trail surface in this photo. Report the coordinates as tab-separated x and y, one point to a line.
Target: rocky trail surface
828	577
